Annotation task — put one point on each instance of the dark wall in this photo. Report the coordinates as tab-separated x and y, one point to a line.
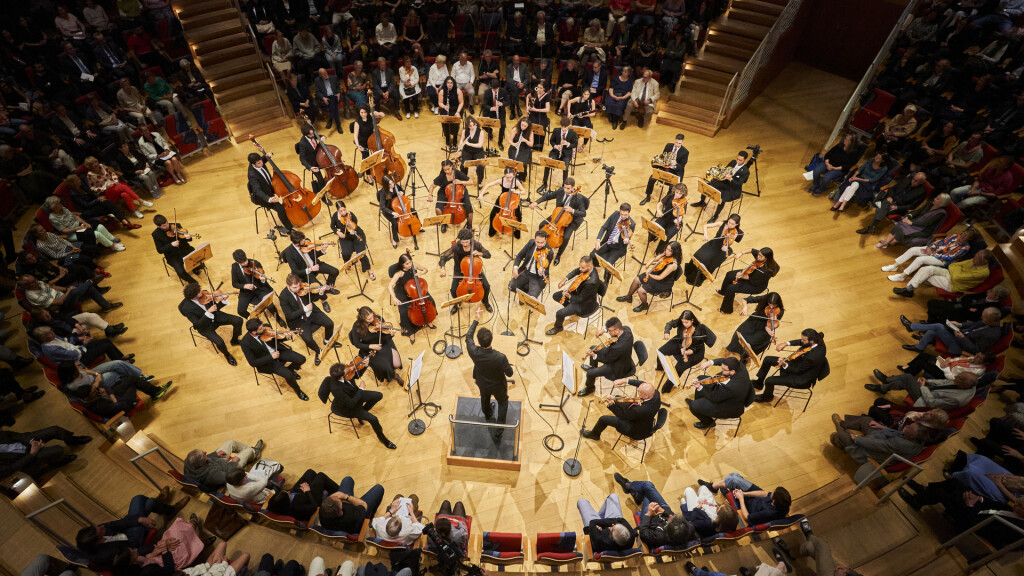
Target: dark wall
843	36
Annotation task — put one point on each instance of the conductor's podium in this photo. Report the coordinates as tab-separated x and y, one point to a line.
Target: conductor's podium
473	441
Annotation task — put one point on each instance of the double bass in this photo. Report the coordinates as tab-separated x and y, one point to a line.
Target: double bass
508	203
343	178
472	268
456	193
421	307
383	140
297	201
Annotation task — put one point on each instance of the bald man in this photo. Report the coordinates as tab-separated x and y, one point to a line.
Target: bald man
633	418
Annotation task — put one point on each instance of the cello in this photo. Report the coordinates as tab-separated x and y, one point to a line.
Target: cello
383	140
555	225
455	193
342	177
422	311
408	221
508	203
471	268
297	201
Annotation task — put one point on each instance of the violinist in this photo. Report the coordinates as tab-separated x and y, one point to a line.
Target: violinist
732	186
614	236
616	355
579	298
563	147
309	264
386	194
520	144
462	248
261	190
450	103
172	247
670	213
724	396
351	237
203	310
472	146
298	304
401	273
751	280
714	250
759	329
509	182
252	283
490	371
307	148
634	419
495	100
351	401
800	370
657	277
686	347
575	204
372	336
679	155
266	352
531	266
449	175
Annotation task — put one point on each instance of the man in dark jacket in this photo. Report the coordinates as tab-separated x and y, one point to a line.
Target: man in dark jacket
103	541
27	451
581	301
495	100
261	190
307	148
904	195
351	401
725	398
616	357
634	419
679	156
206	318
174	249
659	526
490	370
801	370
272	356
608	530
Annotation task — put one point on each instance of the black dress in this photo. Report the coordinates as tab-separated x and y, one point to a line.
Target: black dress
364	131
667	221
756	283
540	118
581	107
494	211
451	99
522	153
381	362
753	331
710	255
673	348
473	153
662	286
402	297
352	243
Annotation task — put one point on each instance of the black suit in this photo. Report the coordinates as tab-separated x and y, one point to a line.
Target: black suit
588	81
34	465
307	156
490	368
174	254
635	420
298	265
293	308
682	156
261	190
197	314
351	401
285	365
799	373
731	189
582	302
565	155
579	204
723	400
615	360
612	251
351	243
486	112
389	86
530	282
246	297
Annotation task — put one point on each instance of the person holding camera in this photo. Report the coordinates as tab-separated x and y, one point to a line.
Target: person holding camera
451	526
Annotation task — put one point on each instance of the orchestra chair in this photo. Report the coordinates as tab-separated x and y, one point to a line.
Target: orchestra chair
641	443
333	418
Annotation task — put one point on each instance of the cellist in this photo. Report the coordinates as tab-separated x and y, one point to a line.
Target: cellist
389	190
509	182
307	147
530	269
575	204
261	190
351	237
579	298
449	175
401	272
462	248
362	131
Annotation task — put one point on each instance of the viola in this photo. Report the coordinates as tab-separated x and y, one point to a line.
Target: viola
206	296
658	266
178	231
422	310
471	268
576	283
794	355
602	346
508	202
269	335
556	224
254	271
383	140
455	193
297	200
748	271
342	178
408	221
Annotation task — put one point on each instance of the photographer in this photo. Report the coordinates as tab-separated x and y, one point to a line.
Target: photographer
451	526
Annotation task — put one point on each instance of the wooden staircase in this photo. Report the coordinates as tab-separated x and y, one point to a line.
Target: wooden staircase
243	89
731	42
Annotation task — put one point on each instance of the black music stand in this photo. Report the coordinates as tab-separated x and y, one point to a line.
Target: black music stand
359	278
532	305
710	194
689	291
452	350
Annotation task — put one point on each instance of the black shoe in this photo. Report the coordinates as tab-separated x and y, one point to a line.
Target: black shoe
880	375
758	384
623	298
35	396
333	292
257	449
302	396
866	230
906	323
640	122
910	348
113	306
689	402
699	203
645	200
589	434
781	545
909	498
103	289
702	426
231	360
21	362
642	307
278	566
316	360
622	125
129	358
690	568
874	388
915	336
905	292
780	558
487	306
497	434
234	341
78	440
622	481
558	260
327	307
444	228
553	331
389	445
709	485
586	391
764	398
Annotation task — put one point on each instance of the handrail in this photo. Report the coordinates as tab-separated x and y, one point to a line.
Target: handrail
33	517
869	76
995	516
725	98
452	419
142	457
764	50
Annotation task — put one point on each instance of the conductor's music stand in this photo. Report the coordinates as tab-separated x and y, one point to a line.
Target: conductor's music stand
548	162
436	222
448	120
689	292
452	350
711	194
568	381
359	279
532	305
655	230
611	270
197	258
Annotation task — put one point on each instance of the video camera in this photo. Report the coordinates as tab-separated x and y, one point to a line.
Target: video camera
756	149
450	558
412	158
608	170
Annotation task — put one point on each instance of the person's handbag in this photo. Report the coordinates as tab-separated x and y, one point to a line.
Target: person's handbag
222	522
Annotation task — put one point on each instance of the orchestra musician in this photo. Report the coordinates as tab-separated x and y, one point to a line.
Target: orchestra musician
309	264
581	109
494	103
714	250
400	273
472	147
758	330
268	354
261	190
463	246
509	182
538	104
307	147
388	191
579	298
563	145
490	370
203	311
372	336
724	396
174	249
300	311
687	346
450	102
351	238
531	266
575	204
362	131
657	277
800	370
731	187
677	165
614	360
351	401
669	215
614	236
520	144
252	283
751	280
632	417
449	175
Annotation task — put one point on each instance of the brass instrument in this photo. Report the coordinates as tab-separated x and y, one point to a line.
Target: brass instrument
663	160
717	172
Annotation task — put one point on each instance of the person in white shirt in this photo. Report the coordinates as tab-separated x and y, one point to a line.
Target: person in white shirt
251	488
387	36
95	16
435	78
399	523
465	75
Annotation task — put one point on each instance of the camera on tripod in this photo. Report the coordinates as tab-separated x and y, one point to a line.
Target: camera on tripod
412	158
756	149
608	170
450	558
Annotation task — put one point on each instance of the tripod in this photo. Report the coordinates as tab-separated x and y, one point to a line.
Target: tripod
410	180
757	178
608	189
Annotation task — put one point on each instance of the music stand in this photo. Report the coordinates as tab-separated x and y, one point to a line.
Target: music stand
665	177
710	193
359	279
416	426
436	222
453	350
473	164
332	342
368	163
689	292
448	120
197	258
750	351
532	305
548	162
490	123
655	230
568	388
511	223
669	370
611	270
583	133
262	306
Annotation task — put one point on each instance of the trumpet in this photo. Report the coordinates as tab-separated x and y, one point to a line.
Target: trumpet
664	159
717	172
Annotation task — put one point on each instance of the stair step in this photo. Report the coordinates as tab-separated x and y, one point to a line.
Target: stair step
221	42
669	119
241	115
702	86
736	40
706	101
695	113
226	14
719	62
237	80
717	48
231	95
259	127
226	54
233	67
761	6
742	29
190	8
197	35
758	18
694	70
781	3
256	102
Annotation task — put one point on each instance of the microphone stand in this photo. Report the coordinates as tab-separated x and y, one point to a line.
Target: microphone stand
572	466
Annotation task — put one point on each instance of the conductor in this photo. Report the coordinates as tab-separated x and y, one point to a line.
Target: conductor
490	368
633	417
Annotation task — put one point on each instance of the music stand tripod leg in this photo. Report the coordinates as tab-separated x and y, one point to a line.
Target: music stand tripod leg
563	400
437	234
453	350
696	221
686	299
360	284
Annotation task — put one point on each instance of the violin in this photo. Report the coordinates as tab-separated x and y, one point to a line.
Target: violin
687	338
602	346
297	201
748	271
679	207
772	312
381	327
556	224
658	266
358	364
729	238
542	262
205	296
508	202
342	178
408	221
804	350
178	231
269	335
455	194
383	140
305	289
350	226
421	308
307	245
254	271
623	400
471	267
576	283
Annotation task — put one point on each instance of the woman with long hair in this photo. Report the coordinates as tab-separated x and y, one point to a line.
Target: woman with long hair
369	336
520	143
759	328
686	347
472	146
751	280
400	273
450	103
657	277
715	250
